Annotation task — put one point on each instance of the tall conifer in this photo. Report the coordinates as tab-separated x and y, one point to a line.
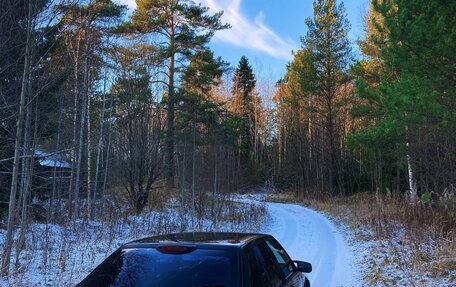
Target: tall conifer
327	39
244	105
179	27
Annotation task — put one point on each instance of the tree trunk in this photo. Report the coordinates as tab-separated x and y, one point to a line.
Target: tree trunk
331	157
105	179
17	146
28	181
193	173
89	164
75	56
310	133
100	144
54	173
183	175
413	193
82	125
75	118
170	120
24	178
214	191
26	153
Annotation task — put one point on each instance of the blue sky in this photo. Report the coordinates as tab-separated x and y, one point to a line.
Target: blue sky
266	31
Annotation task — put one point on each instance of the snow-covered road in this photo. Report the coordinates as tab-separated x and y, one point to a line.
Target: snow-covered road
309	236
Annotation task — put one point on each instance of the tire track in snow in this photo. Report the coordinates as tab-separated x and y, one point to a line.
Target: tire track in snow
309	236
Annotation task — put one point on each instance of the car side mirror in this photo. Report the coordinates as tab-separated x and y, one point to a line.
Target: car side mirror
302	266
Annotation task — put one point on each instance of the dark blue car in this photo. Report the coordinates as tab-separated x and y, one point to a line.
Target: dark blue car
202	259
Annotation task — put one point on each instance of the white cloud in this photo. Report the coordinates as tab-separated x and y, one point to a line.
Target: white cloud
130	3
254	35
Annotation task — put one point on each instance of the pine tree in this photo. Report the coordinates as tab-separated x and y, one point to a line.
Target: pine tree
327	39
244	105
180	27
411	102
377	36
203	72
297	116
198	116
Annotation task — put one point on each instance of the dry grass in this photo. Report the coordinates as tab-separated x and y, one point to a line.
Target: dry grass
417	242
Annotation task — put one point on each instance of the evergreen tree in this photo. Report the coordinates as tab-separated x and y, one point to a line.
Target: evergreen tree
377	37
297	110
378	146
412	102
180	27
327	39
244	105
199	119
203	72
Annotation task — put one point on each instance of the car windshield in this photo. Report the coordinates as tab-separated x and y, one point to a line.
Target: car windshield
150	267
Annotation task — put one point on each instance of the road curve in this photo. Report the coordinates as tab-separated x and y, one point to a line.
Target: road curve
310	236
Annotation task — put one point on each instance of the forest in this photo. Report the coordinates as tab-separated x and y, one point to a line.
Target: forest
100	108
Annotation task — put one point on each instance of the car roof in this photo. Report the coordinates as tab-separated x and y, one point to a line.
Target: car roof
199	238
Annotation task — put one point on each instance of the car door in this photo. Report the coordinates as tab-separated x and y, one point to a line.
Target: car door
286	267
262	270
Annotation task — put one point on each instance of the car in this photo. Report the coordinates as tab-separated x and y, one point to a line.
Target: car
203	259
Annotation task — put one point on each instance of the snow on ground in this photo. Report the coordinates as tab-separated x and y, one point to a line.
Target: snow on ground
342	257
63	255
310	236
392	263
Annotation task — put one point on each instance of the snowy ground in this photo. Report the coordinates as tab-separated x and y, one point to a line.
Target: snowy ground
62	256
310	236
343	257
306	234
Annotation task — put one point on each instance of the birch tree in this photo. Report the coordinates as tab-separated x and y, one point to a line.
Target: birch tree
85	23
